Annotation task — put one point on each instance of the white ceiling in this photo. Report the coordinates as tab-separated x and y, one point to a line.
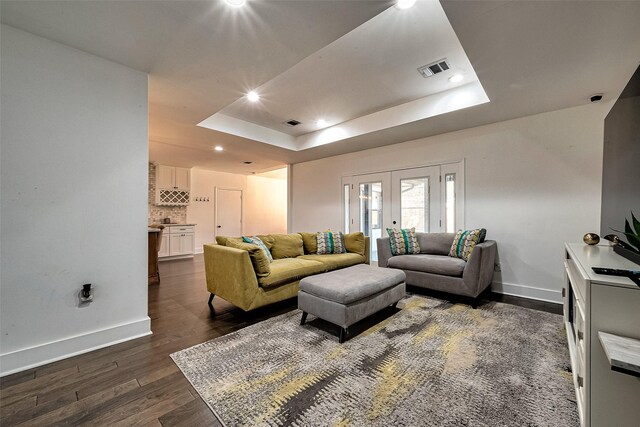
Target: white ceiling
203	56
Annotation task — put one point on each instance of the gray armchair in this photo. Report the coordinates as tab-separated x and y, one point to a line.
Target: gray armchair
434	269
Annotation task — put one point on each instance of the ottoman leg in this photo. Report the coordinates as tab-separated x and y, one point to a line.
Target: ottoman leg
304	317
343	334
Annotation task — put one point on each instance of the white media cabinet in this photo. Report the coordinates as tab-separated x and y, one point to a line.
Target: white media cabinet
597	303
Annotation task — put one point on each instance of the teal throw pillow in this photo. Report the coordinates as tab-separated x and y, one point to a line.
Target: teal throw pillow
404	241
256	241
329	242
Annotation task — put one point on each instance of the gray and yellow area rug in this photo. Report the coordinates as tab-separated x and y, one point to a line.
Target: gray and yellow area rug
432	363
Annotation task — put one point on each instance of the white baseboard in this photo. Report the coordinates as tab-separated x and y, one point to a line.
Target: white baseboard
530	292
42	354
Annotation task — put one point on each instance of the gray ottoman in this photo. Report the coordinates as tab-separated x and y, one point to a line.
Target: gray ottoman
344	297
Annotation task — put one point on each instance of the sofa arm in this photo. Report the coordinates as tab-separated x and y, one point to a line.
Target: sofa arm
384	251
478	273
230	274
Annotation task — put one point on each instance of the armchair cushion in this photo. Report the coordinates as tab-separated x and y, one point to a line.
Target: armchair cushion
435	264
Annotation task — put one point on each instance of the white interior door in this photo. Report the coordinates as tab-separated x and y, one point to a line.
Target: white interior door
228	212
416	199
371	207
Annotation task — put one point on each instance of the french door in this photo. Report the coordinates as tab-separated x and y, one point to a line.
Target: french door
429	199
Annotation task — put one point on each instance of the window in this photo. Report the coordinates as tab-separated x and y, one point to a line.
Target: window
345	204
414	203
450	202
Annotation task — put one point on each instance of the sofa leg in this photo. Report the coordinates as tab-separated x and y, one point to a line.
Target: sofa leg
474	303
211	300
343	334
304	318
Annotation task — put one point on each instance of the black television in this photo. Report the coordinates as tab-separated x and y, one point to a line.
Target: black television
621	160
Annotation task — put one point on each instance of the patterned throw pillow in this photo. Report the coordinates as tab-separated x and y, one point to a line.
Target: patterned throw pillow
403	242
465	241
330	243
255	240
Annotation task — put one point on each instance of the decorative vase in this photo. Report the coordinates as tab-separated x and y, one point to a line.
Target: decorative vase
627	253
591	239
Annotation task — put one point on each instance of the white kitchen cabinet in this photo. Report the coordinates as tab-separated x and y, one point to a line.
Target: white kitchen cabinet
179	241
182	179
173	185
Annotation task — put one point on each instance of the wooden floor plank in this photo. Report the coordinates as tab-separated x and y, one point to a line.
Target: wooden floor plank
136	382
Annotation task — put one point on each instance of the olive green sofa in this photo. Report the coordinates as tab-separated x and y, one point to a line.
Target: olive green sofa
231	274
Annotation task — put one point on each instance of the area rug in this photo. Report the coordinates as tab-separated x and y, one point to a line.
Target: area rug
431	363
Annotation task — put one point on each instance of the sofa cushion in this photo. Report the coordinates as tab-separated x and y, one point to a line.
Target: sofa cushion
465	241
363	281
267	239
255	240
354	242
329	242
259	260
435	243
335	261
223	240
435	264
403	241
309	242
286	270
286	246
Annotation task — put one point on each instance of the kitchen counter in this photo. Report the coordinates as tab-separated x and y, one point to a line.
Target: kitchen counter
153	230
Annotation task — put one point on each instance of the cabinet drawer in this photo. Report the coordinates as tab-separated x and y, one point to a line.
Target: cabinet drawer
181	229
577	280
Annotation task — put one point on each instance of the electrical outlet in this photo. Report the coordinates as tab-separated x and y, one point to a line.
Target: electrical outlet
86	293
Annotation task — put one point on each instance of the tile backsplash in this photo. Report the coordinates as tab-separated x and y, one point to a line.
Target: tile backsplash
158	213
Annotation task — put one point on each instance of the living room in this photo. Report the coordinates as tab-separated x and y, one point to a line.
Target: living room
86	108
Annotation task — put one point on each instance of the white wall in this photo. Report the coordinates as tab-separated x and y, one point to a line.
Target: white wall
533	183
73	201
264	202
203	184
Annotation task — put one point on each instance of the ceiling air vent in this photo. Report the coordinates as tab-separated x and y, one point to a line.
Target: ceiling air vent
433	68
292	122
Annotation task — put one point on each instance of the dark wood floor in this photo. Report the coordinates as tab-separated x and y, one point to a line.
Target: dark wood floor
137	383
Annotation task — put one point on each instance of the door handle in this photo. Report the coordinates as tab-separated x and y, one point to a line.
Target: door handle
394	223
219	226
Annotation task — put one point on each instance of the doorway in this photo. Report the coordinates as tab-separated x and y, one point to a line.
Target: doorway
228	211
429	199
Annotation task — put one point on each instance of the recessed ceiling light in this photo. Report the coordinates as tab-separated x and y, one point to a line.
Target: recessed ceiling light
321	123
235	3
253	96
218	148
456	78
405	4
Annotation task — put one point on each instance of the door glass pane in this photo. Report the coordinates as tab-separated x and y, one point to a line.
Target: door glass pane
345	206
371	214
450	202
414	203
